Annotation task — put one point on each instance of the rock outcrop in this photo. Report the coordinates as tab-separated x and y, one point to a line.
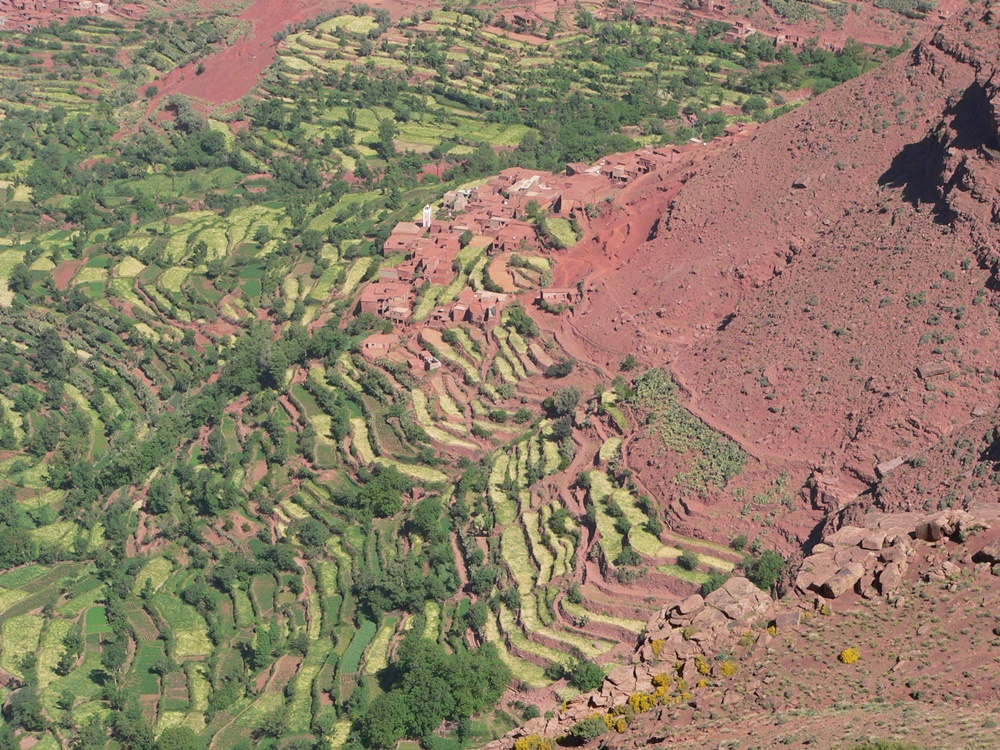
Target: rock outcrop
872	560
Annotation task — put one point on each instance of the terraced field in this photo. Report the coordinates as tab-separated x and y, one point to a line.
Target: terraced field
211	496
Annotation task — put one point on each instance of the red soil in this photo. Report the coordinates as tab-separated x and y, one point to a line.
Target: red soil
64	273
232	72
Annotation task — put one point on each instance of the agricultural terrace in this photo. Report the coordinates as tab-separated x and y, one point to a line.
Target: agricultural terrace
226	498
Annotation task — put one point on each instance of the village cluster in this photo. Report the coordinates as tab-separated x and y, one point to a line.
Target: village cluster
26	15
494	215
497	217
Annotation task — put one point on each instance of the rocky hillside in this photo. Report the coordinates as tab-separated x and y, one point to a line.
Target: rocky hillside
826	291
883	636
826	295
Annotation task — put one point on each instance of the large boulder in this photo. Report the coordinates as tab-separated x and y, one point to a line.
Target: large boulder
843	580
946	524
990	553
736	600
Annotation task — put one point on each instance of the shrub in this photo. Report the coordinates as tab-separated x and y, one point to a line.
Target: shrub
765	571
628	556
591	727
849	655
559	369
728	668
533	742
688	559
585	675
628	363
640	702
715	580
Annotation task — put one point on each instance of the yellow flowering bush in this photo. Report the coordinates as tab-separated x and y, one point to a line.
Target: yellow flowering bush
534	742
702	665
640	702
657	647
849	655
728	668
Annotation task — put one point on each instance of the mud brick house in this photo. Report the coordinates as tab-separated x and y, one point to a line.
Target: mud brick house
514	235
559	295
378	345
379	297
402	238
789	40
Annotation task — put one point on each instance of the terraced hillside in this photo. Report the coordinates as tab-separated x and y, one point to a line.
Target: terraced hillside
225	520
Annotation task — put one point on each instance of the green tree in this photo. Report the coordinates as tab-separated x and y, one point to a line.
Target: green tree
385	146
688	559
565	400
585	675
20	279
179	738
766	570
24	710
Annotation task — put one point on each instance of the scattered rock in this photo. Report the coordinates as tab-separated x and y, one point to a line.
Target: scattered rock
787	620
933	369
884	468
873	541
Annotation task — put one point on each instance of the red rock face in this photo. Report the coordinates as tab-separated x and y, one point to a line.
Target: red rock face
825	290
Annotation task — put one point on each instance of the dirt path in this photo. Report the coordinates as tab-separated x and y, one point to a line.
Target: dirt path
463	574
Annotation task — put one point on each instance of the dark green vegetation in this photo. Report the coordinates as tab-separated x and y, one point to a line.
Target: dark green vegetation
208	514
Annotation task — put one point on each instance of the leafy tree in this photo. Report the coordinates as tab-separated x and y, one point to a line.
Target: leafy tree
688	559
385	146
179	738
585	675
20	278
766	570
24	710
431	686
565	400
560	369
7	739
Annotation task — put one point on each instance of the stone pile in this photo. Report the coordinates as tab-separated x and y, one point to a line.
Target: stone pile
873	560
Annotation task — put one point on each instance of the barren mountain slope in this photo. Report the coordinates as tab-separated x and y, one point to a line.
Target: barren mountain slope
800	281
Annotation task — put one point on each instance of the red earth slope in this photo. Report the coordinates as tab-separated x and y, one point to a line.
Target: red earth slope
801	285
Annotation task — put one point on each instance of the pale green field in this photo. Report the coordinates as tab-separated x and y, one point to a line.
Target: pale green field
129	267
421	473
20	639
359	439
157	571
